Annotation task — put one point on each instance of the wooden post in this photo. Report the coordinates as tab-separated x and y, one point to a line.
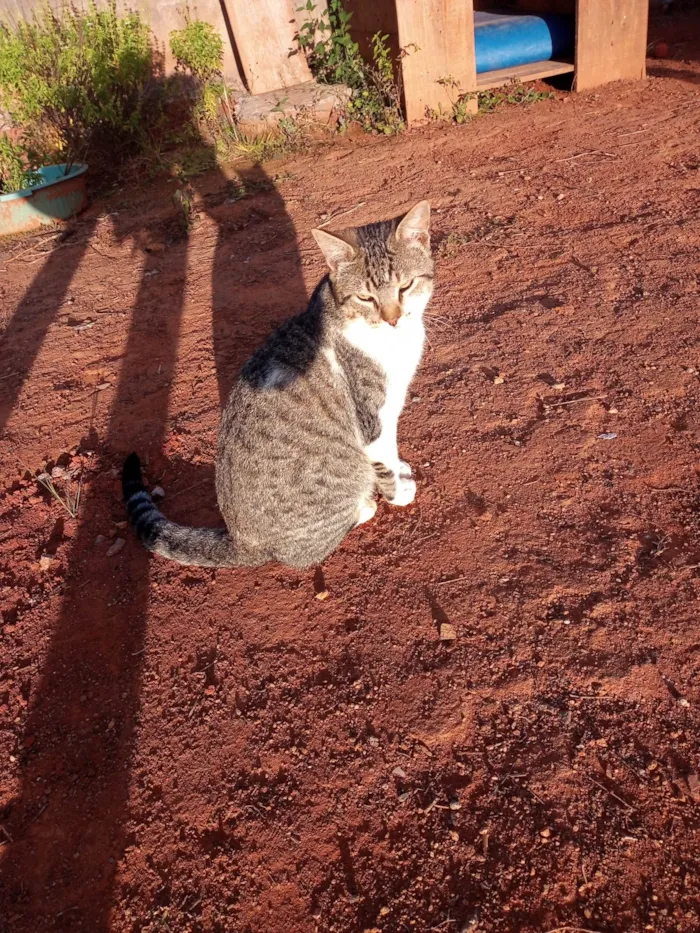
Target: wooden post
611	41
264	33
438	39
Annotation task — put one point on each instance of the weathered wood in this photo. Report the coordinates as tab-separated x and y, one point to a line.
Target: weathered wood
611	37
531	72
438	39
264	33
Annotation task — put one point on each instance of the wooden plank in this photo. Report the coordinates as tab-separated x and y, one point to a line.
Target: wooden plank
264	33
531	72
438	37
611	39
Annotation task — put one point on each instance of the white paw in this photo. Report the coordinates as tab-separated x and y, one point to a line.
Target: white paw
405	492
367	510
405	471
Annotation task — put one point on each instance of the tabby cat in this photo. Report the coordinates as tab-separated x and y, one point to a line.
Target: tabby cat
308	434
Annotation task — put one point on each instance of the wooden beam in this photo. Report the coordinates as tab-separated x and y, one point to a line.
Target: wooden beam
531	72
264	33
611	40
438	39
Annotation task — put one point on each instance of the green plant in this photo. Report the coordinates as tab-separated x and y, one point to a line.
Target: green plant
514	93
487	101
334	58
332	55
16	172
198	48
70	76
460	102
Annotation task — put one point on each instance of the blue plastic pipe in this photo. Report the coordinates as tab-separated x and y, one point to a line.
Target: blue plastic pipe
504	40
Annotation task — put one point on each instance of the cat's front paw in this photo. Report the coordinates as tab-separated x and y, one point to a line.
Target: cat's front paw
405	491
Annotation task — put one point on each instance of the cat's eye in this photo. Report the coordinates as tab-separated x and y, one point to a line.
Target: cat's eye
367	299
407	288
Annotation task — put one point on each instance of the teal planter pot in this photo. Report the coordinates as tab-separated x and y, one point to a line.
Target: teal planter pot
61	195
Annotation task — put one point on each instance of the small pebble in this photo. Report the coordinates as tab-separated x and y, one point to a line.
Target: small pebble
116	547
455	805
373	741
447	632
322	594
399	773
158	492
45	562
607	436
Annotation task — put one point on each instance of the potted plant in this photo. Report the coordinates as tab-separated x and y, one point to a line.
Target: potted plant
73	84
30	196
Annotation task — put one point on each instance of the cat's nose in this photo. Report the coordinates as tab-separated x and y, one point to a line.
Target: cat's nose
391	313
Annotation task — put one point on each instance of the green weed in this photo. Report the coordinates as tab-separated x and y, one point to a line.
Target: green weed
334	58
514	93
487	101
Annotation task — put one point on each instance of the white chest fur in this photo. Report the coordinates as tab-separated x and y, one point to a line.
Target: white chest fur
398	351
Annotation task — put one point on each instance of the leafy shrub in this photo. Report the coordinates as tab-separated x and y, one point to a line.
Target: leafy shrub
198	49
16	173
69	77
334	58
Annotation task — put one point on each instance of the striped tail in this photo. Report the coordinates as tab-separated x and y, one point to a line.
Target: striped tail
204	547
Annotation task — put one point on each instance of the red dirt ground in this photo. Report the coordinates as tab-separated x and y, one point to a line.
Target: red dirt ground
188	750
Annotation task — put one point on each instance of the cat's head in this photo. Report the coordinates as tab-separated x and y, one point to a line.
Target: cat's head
382	272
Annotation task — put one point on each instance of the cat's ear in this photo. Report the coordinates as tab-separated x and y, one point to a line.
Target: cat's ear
414	226
334	248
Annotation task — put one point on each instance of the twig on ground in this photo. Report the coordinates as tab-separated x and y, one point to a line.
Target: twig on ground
585	153
452	580
572	930
608	791
574	401
340	214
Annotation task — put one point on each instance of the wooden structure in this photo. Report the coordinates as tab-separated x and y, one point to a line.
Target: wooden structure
264	33
436	38
438	35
